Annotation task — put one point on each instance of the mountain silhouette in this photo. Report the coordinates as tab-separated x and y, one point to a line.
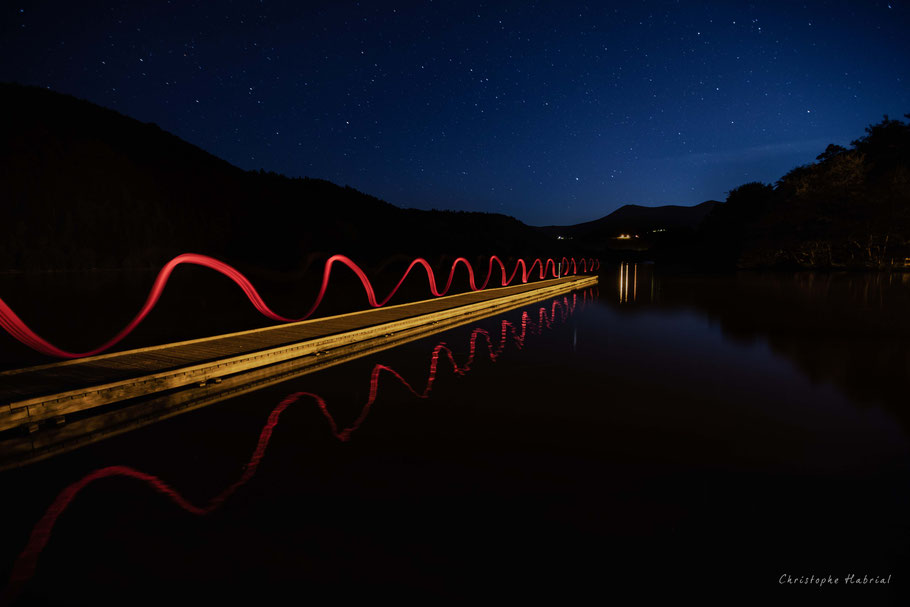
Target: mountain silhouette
636	219
84	187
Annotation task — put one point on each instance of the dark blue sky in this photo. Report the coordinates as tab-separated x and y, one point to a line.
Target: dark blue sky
553	112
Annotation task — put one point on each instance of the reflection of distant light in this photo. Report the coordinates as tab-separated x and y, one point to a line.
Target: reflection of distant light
624	282
622	268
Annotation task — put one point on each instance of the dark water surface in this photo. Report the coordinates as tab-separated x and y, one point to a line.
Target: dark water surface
686	435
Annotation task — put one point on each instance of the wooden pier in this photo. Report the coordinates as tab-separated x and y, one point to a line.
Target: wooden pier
44	408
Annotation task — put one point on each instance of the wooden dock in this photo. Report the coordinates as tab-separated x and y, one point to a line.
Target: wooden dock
46	397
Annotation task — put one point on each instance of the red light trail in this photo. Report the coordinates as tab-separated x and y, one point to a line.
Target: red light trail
27	561
543	320
16	327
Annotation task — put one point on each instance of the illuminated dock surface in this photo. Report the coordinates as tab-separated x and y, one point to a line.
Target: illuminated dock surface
44	407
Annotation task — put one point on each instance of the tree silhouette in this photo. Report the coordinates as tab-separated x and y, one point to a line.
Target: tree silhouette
851	208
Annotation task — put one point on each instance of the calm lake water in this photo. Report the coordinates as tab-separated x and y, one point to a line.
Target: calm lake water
701	436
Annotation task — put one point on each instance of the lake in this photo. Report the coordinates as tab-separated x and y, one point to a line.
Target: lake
712	436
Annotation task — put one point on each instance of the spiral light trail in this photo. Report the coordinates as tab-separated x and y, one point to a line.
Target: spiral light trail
27	561
16	327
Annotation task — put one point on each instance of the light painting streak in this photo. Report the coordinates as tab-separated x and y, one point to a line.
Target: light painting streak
18	329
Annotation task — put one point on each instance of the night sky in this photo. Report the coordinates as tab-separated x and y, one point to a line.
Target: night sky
554	112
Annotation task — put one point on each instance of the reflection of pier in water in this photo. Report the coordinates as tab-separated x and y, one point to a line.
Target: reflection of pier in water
326	342
559	311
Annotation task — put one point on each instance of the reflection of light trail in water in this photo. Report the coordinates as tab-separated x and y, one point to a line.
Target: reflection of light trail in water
506	327
13	325
27	561
24	567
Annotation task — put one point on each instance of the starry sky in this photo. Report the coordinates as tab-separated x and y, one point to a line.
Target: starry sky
553	112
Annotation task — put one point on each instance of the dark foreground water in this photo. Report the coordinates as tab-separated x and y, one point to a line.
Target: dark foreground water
681	436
